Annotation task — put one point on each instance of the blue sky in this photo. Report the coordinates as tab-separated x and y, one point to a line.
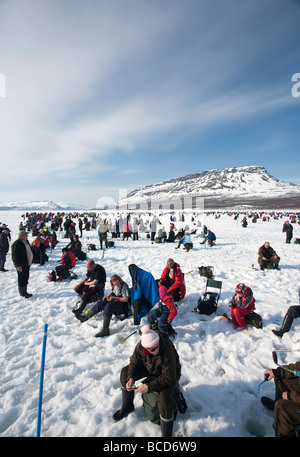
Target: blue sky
106	95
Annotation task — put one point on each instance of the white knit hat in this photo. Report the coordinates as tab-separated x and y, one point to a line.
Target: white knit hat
149	337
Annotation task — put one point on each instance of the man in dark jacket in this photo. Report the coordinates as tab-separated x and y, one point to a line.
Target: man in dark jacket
4	247
93	283
288	229
286	405
155	358
22	258
268	257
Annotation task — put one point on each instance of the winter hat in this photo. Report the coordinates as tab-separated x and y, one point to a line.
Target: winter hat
163	293
149	337
240	289
22	232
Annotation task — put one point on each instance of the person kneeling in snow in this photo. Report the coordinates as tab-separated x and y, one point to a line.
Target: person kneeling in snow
164	311
241	304
67	262
155	358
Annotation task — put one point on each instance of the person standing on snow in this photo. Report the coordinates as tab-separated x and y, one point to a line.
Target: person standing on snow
288	229
22	258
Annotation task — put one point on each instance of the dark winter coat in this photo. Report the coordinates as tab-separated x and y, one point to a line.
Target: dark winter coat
4	243
287	381
268	253
19	254
164	369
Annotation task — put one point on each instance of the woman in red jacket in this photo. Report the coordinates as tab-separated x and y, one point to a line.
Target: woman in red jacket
173	278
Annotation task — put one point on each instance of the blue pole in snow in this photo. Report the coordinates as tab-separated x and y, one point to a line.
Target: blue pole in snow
42	381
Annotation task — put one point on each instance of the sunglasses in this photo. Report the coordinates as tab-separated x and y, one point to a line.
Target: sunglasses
153	349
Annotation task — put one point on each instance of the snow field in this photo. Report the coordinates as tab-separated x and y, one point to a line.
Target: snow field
221	368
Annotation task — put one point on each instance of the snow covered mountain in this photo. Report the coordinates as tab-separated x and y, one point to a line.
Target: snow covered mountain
38	206
238	187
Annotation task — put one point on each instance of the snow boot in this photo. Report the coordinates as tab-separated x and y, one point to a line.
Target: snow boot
85	316
166	427
78	311
23	292
285	327
105	328
127	405
27	295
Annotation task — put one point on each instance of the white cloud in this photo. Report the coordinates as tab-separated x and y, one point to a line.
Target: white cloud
85	79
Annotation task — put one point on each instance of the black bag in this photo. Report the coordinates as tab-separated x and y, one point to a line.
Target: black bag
110	244
207	303
254	319
91	247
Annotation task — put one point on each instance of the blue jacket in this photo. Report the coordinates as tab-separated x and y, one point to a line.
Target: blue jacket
211	236
186	239
144	292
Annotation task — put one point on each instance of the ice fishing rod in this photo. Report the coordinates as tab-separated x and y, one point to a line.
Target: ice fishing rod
42	381
124	339
275	360
265	380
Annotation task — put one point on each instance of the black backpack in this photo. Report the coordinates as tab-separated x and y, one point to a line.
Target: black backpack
207	303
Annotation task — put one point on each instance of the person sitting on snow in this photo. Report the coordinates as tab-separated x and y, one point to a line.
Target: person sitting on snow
210	238
268	257
292	313
164	311
173	278
186	241
92	283
241	304
156	359
75	246
67	262
115	302
287	399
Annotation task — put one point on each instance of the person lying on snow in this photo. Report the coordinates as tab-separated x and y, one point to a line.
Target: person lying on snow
67	262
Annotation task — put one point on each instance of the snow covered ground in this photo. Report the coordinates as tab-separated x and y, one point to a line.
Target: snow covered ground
220	372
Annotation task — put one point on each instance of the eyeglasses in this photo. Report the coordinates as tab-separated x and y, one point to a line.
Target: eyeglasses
153	349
